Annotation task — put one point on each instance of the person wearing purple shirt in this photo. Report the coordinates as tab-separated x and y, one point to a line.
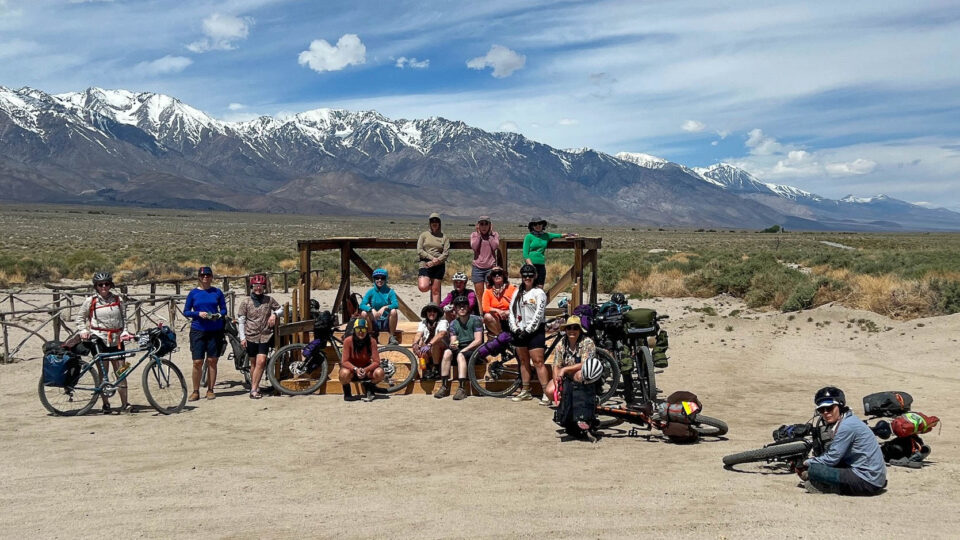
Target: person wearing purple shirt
207	306
460	289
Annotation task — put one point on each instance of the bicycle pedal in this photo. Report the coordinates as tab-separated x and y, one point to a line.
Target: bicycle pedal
633	433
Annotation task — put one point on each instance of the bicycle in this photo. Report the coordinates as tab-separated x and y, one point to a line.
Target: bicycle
658	416
237	355
503	370
612	334
293	374
163	383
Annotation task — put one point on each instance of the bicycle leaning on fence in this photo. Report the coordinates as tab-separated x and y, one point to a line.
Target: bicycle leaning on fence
163	383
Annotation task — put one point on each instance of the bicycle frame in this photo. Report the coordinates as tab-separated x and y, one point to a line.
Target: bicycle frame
109	387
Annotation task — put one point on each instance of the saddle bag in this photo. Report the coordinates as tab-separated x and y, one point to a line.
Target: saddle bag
61	368
913	423
163	339
679	412
887	403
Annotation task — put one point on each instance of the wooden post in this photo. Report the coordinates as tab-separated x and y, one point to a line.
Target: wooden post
246	284
593	276
233	303
56	317
171	312
226	284
6	341
11	303
176	287
153	294
502	248
286	286
137	312
304	284
345	250
578	270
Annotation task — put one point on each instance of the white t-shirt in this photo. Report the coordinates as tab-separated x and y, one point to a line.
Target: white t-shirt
442	326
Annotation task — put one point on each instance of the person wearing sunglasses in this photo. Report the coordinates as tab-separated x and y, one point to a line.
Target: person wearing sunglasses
102	318
207	306
360	362
380	304
853	463
526	318
256	321
460	289
496	300
485	243
433	248
535	247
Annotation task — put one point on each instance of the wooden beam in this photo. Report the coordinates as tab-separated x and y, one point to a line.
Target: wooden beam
304	282
345	250
592	258
561	285
578	269
409	313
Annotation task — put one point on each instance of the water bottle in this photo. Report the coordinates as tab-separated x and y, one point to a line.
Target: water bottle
123	369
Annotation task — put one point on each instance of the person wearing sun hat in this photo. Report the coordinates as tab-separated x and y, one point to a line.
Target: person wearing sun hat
535	247
485	243
571	353
431	340
433	248
496	300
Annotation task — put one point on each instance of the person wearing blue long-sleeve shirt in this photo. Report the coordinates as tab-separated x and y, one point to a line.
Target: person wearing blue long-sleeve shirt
853	463
380	305
207	306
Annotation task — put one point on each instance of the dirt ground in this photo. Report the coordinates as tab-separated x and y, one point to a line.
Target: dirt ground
414	466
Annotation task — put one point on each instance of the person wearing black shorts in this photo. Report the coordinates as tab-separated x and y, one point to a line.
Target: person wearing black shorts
433	248
256	319
526	318
207	306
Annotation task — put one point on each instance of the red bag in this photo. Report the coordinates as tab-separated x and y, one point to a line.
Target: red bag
913	423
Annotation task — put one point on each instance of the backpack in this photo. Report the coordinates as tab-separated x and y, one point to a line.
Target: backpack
578	403
679	411
905	448
913	423
163	340
61	367
323	325
887	403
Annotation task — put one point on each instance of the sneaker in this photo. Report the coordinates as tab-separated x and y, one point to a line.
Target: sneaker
523	396
443	392
393	340
546	401
811	488
368	397
461	394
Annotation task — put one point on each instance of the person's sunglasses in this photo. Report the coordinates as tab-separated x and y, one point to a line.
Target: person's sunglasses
206	276
531	277
379	278
821	410
108	285
483	223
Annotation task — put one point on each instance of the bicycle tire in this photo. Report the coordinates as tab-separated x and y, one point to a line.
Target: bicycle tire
402	361
278	371
709	426
766	453
503	370
165	389
71	401
646	377
611	376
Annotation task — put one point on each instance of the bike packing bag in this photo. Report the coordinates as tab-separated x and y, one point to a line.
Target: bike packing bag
585	312
887	403
641	320
679	411
626	361
578	403
792	432
61	368
660	359
496	345
230	327
910	448
913	423
323	327
163	339
313	353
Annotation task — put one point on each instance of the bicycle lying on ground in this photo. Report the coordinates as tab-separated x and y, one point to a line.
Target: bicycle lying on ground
292	373
660	416
501	378
163	383
792	445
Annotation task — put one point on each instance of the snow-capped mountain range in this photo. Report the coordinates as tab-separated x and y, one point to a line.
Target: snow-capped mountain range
119	147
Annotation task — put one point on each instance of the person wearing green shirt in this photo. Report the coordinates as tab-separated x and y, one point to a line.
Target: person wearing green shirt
535	247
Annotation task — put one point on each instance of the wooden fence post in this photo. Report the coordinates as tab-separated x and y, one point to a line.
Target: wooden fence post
137	316
153	294
6	341
226	284
56	317
176	287
171	312
233	303
286	285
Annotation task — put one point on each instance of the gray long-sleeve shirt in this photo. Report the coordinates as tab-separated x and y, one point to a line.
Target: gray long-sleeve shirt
855	446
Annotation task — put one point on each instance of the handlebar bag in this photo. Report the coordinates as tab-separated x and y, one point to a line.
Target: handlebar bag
887	403
641	319
163	339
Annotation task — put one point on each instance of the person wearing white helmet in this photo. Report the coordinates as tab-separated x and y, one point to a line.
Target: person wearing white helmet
460	289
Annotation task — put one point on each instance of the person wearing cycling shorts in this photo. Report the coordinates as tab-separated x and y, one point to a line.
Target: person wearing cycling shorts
360	362
853	462
256	321
485	243
102	318
433	248
460	289
380	304
467	329
535	247
496	300
571	353
527	313
207	306
431	340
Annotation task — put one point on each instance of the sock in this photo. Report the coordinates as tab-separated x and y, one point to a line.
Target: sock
463	383
445	381
526	387
347	392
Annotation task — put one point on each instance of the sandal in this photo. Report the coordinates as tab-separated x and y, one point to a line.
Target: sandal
195	396
107	409
211	395
128	409
255	394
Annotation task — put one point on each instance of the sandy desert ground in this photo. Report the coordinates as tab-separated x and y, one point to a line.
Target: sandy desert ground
414	466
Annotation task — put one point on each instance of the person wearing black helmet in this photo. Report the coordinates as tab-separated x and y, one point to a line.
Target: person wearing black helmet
466	333
526	318
102	318
535	247
853	463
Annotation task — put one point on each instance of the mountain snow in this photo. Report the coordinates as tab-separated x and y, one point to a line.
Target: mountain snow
641	159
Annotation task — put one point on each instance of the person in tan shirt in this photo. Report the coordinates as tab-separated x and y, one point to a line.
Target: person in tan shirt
433	248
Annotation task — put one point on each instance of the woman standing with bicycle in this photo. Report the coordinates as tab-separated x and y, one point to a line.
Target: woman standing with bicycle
256	319
207	306
102	317
526	318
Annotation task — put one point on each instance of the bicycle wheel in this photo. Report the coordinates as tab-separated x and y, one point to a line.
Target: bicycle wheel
709	426
237	355
611	376
497	375
399	366
164	386
647	380
774	451
72	401
292	374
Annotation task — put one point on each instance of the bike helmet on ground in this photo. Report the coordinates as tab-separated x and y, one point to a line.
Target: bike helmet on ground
830	395
103	277
428	308
258	279
459	276
618	298
380	272
528	270
591	369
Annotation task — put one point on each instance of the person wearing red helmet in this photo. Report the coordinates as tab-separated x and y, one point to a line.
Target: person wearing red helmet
256	321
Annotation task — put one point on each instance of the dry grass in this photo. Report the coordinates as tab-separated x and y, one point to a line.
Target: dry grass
289	264
668	283
890	295
14	278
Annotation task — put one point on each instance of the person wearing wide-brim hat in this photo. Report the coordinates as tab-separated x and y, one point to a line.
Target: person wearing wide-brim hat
571	353
485	243
535	247
431	340
433	248
495	303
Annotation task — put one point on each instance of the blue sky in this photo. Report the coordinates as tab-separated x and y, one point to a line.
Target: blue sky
832	97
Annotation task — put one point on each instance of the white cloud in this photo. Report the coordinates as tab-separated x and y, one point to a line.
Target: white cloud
722	133
693	126
503	61
568	122
321	56
853	168
762	145
509	126
162	66
222	31
236	106
403	62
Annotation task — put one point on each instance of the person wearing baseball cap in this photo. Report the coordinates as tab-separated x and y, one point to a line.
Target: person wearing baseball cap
207	306
433	248
485	243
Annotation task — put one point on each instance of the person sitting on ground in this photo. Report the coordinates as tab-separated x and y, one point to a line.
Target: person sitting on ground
207	306
360	362
527	314
467	330
379	305
853	463
460	289
571	352
535	247
102	317
485	243
431	340
256	320
496	300
433	248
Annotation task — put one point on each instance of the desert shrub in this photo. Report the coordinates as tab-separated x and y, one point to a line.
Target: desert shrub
946	294
773	285
802	297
